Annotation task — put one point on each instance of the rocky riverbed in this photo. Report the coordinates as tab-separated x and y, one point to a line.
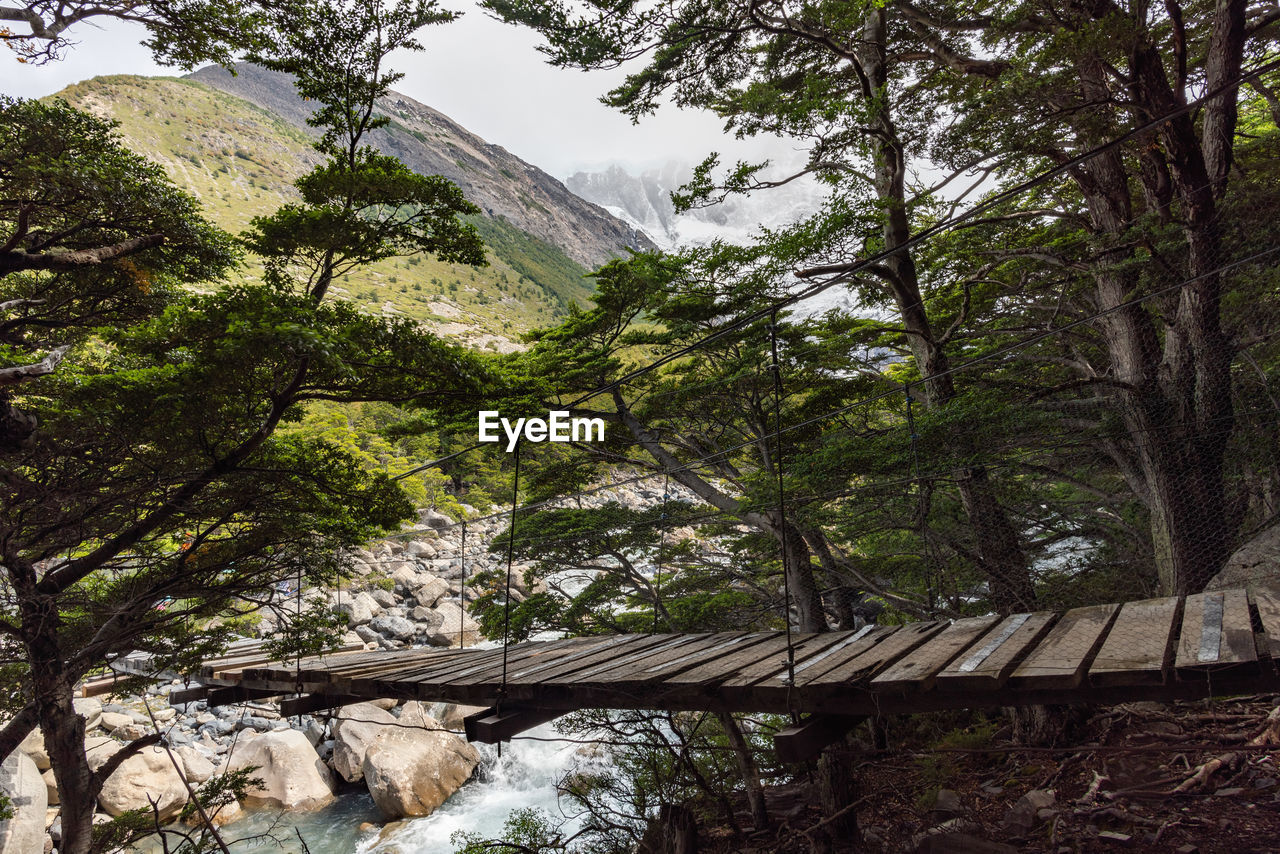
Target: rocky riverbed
406	591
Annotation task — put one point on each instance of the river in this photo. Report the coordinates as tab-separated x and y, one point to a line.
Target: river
525	776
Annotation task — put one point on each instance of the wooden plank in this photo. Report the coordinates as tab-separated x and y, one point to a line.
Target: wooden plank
759	661
916	671
1139	648
182	696
810	737
666	660
634	649
526	664
1217	633
864	665
988	664
1063	657
237	694
1267	601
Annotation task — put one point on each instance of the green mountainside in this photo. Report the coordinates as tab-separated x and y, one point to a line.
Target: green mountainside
240	160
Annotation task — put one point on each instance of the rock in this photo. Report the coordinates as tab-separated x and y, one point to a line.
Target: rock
90	709
1115	837
51	788
146	776
168	714
411	772
454	619
419	549
393	627
405	576
359	608
431	518
947	804
428	619
430	589
1256	562
314	732
1022	816
367	634
33	746
196	767
293	777
385	598
129	732
112	721
21	782
385	703
355	728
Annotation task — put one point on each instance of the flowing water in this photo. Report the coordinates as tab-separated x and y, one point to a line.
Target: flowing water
525	776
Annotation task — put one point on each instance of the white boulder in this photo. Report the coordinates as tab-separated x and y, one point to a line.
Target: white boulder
20	781
146	777
293	777
411	771
355	728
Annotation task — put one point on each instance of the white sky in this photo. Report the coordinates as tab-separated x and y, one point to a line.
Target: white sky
485	75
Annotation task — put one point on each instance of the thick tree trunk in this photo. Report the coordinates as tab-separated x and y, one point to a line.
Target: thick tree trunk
805	596
54	690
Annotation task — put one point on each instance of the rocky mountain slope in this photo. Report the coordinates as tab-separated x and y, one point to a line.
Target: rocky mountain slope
239	142
431	143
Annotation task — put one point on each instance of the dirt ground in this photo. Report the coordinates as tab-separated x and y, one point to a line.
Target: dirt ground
1140	777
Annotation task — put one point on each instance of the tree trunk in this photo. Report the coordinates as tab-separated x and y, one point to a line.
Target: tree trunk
838	791
747	768
805	596
996	540
674	831
53	689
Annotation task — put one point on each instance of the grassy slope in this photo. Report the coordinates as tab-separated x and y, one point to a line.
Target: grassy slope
240	160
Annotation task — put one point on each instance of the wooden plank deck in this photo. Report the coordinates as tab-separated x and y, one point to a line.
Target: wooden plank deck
1200	646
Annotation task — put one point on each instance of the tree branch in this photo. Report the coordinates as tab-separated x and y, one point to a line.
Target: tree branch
22	373
17	260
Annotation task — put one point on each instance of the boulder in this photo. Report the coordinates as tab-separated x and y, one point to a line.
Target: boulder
145	777
393	627
1255	562
114	720
427	618
454	619
33	746
430	589
359	608
196	767
293	777
411	772
90	709
419	549
405	577
21	782
385	598
50	788
431	518
355	728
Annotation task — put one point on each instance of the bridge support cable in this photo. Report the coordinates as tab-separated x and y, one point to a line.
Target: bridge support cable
922	499
776	369
506	597
462	589
662	543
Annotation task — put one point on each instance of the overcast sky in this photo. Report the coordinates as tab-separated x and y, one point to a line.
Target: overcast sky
485	75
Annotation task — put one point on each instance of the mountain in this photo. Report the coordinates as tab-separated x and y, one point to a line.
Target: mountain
238	142
644	201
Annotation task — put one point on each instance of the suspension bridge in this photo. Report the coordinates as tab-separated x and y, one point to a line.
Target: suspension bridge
1193	647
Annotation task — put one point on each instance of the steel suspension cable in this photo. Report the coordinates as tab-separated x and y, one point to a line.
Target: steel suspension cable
662	542
462	589
506	599
776	368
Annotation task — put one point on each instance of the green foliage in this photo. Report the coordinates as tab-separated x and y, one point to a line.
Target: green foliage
526	831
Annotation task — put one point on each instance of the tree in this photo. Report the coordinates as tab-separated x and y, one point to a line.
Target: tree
184	33
1006	91
146	485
